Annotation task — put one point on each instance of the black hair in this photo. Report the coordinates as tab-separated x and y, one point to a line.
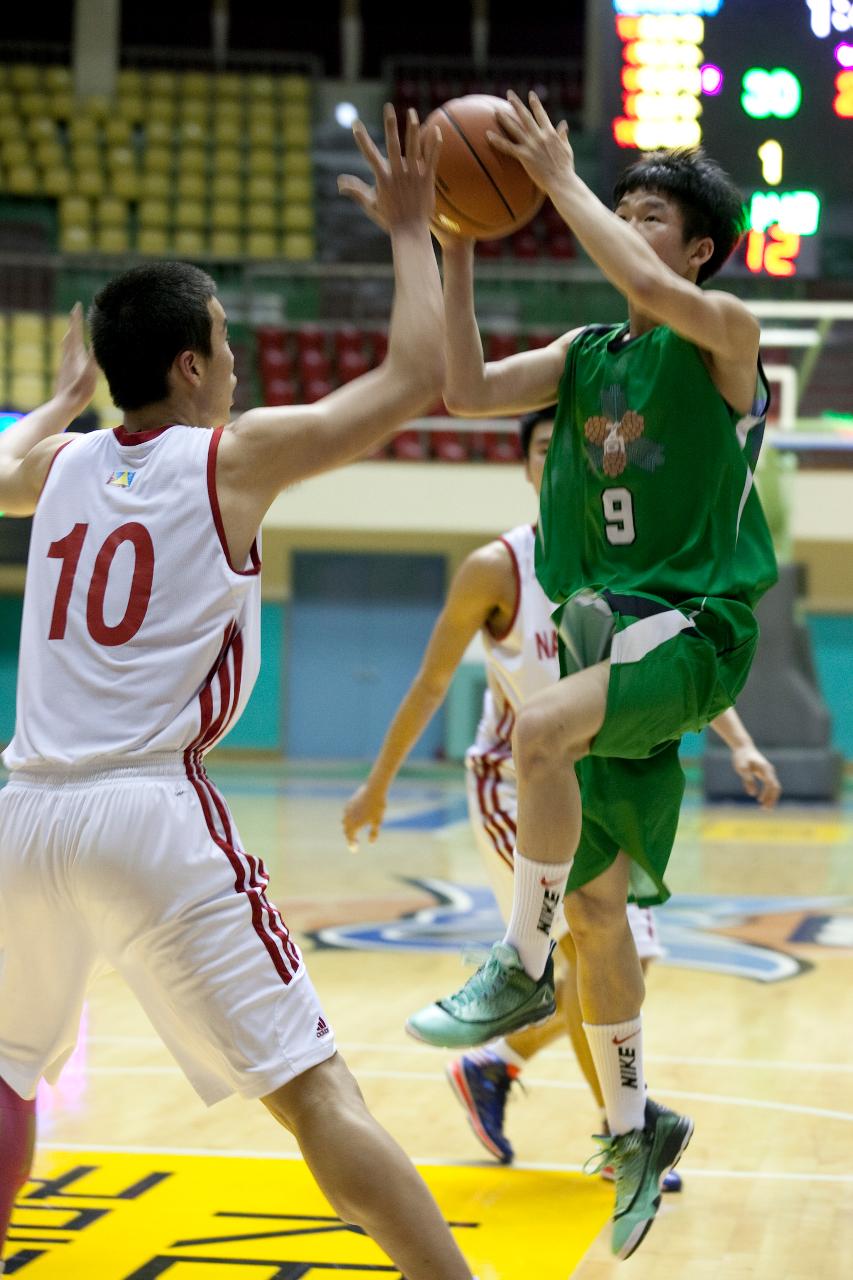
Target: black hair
710	203
141	320
530	422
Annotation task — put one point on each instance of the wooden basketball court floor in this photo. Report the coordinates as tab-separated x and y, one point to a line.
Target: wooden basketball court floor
749	1024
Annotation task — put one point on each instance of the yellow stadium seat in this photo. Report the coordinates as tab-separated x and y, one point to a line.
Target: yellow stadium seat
120	158
125	183
191	160
195	110
57	181
260	87
227	132
298	247
194	84
112	240
225	215
191	186
295	189
188	243
10	128
260	217
158	133
75	239
228	110
117	130
23	76
15	151
97	106
110	212
90	182
189	215
23	180
60	105
225	244
262	161
261	244
130	82
227	85
84	155
27	357
75	209
33	103
157	160
297	217
162	84
261	188
226	160
153	213
41	129
262	112
157	185
83	129
26	391
160	110
295	89
262	133
226	186
297	114
295	137
49	153
152	240
7	102
27	327
57	77
130	108
191	133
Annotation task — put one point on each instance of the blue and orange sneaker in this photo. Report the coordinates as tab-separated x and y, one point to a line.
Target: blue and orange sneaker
482	1081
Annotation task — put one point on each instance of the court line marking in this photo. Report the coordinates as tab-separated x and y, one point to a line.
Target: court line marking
772	1175
762	1064
721	1099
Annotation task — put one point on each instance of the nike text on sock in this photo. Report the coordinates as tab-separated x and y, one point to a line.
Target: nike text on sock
537	898
617	1051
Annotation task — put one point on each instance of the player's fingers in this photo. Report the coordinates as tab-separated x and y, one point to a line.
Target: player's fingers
563	130
392	138
540	115
510	125
355	189
500	143
431	147
413	138
369	149
748	783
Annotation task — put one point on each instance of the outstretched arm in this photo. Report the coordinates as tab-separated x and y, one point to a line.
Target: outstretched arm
482	586
716	321
755	770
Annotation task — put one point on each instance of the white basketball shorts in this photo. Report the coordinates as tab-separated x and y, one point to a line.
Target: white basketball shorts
142	869
493	808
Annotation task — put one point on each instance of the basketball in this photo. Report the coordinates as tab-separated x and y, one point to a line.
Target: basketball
479	193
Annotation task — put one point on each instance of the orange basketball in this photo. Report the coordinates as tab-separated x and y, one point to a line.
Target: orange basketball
479	192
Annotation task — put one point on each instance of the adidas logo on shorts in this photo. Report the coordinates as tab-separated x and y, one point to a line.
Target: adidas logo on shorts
322	1028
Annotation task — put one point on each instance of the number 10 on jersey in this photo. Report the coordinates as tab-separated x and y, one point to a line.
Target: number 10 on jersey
618	506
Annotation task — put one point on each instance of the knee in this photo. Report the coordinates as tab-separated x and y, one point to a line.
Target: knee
537	741
594	919
328	1087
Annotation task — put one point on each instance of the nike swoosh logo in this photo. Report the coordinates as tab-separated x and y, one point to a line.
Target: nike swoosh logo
625	1038
550	884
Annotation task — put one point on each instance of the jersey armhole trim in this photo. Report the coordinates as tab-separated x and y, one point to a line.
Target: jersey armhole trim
254	555
516	573
64	445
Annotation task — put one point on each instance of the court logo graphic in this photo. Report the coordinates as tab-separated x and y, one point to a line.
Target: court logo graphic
615	437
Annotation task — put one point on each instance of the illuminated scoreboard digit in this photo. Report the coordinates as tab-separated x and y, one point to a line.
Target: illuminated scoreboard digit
766	86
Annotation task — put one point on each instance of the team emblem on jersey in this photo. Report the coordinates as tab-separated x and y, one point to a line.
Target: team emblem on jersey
123	479
615	437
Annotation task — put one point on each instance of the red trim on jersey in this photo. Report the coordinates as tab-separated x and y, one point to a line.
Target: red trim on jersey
123	436
517	575
64	445
501	845
217	514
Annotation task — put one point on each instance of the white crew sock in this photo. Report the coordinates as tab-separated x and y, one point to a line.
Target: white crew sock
537	896
502	1050
617	1051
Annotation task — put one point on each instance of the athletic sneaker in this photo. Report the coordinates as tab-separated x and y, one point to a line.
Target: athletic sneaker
640	1160
482	1083
498	999
669	1183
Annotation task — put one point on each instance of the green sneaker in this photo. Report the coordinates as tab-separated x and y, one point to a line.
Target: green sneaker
640	1159
499	998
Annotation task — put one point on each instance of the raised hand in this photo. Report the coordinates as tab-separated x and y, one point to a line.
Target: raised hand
77	374
757	775
404	191
531	139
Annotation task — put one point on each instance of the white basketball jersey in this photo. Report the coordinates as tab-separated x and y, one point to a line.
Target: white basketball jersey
521	661
139	637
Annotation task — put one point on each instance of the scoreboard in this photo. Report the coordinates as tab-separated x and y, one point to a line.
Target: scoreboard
765	86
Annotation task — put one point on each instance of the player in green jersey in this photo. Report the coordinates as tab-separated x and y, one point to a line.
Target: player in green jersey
653	543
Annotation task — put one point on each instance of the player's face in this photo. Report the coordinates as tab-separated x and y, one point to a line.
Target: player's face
660	221
219	379
535	464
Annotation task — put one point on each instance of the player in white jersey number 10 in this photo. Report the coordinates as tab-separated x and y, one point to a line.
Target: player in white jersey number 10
496	593
139	649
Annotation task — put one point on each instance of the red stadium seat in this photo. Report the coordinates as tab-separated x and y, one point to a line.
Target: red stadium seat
501	345
316	389
271	337
275	363
525	245
348	338
280	391
540	338
408	446
449	446
379	341
500	447
561	246
310	338
490	249
314	364
352	364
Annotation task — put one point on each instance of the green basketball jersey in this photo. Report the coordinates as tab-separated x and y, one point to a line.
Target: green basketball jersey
648	485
